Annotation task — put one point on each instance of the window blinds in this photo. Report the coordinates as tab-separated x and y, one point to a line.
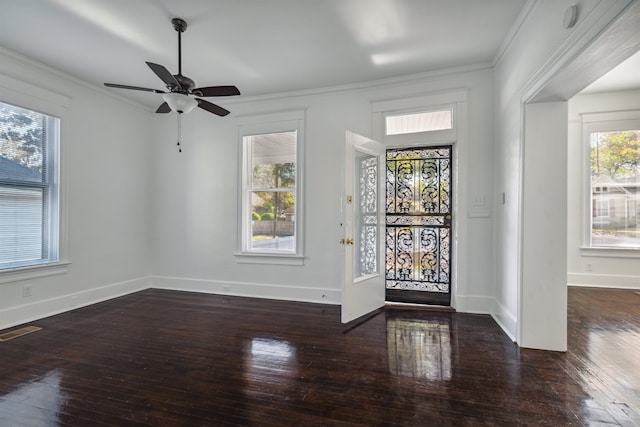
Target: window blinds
28	195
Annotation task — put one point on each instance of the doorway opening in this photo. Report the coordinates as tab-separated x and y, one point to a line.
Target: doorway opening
418	231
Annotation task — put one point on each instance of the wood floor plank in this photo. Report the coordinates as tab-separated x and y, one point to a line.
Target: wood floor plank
170	358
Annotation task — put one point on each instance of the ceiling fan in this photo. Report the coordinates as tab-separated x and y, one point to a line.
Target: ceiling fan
182	95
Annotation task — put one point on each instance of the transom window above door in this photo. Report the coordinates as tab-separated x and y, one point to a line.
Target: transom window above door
428	121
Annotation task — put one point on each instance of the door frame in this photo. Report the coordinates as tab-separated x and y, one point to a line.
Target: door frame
589	52
457	138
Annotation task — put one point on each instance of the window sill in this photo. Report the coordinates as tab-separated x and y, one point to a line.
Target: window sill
610	252
267	258
33	271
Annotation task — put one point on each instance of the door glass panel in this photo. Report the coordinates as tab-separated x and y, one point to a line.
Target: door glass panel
366	218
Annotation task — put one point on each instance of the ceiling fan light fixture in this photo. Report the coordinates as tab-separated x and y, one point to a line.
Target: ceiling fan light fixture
180	103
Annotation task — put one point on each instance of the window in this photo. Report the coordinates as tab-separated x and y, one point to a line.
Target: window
419	122
614	175
28	187
601	208
271	191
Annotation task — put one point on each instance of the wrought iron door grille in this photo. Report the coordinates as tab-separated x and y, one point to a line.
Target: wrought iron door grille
418	219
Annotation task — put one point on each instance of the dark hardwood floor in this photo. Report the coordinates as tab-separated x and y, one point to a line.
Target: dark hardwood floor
167	358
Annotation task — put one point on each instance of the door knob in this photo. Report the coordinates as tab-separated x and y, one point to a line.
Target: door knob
349	241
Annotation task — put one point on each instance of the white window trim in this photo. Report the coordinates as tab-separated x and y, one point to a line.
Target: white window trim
25	95
261	124
610	121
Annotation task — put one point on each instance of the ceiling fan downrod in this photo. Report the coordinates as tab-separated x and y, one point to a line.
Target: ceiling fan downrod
186	84
180	25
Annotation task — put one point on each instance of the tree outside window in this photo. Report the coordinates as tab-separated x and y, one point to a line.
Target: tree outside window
272	190
615	183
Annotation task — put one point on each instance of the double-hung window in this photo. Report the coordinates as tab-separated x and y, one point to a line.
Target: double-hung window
29	187
271	214
613	189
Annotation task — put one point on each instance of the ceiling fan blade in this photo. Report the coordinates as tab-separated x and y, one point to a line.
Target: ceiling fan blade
212	108
217	91
163	108
133	87
164	74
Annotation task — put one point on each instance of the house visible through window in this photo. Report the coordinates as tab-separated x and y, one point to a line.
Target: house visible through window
28	187
615	188
601	208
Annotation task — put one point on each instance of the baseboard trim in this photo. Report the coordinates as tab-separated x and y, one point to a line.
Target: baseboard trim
26	313
247	289
475	304
604	280
506	320
31	312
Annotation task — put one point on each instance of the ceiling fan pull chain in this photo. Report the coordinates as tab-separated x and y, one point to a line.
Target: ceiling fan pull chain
179	132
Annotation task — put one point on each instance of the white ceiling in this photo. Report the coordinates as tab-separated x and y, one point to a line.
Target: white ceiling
261	46
625	76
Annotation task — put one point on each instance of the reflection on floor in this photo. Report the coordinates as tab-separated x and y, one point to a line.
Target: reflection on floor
419	348
36	400
604	350
177	358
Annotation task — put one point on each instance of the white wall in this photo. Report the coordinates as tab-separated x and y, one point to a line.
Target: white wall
173	216
107	194
196	191
620	272
537	51
543	305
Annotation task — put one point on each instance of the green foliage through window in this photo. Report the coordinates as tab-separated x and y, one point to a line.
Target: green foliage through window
615	188
616	154
22	136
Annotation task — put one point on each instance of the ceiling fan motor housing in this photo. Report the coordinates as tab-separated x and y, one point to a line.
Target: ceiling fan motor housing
179	25
185	83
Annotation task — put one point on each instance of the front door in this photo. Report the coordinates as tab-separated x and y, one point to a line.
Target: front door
418	225
363	287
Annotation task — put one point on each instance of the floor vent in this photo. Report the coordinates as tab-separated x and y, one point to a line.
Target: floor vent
18	333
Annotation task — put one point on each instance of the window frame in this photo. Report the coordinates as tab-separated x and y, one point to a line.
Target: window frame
612	121
27	96
258	125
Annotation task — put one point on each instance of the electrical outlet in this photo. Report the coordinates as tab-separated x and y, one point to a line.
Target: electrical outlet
226	287
589	266
26	291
